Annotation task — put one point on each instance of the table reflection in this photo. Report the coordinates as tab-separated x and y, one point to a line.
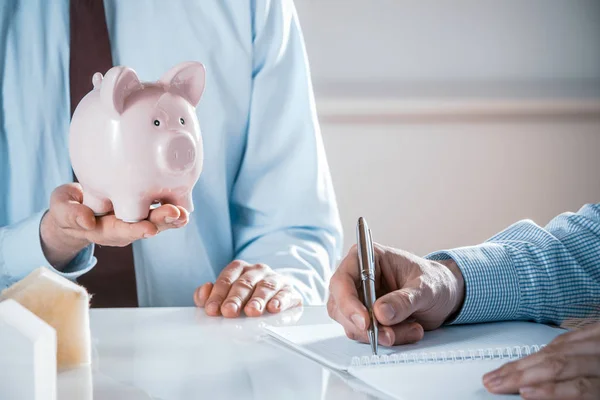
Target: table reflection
172	354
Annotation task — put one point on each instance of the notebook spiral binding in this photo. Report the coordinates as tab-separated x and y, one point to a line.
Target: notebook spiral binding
507	353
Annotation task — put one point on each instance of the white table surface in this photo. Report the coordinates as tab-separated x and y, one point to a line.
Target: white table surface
180	353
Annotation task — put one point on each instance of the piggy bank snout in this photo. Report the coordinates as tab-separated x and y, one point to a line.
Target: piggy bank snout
181	152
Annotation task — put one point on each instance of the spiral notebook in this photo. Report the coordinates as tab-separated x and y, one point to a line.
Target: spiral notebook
447	363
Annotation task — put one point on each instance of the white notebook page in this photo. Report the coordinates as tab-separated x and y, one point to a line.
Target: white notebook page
461	380
328	344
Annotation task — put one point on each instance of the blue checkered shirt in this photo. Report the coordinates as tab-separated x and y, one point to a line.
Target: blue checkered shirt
526	272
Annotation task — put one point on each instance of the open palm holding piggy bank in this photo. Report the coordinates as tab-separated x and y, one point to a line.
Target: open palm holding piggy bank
134	144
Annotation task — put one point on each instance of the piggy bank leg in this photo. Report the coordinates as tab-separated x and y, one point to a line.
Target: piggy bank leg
184	201
131	210
100	206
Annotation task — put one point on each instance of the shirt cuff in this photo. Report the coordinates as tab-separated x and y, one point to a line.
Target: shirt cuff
491	283
21	252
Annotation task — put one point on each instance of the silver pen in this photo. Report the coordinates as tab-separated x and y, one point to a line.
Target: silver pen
366	264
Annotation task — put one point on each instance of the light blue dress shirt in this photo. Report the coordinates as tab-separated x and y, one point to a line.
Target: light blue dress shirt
265	194
526	272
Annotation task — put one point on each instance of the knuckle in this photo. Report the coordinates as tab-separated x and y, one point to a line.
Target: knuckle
244	283
236	264
223	281
261	267
269	284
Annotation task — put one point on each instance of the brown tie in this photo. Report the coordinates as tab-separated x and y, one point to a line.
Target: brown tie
112	281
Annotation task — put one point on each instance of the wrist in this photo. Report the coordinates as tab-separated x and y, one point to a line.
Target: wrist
459	297
59	247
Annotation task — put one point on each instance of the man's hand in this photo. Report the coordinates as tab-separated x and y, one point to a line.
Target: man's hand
568	368
412	294
69	226
252	287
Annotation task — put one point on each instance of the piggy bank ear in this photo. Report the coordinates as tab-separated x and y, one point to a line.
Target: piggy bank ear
186	80
116	86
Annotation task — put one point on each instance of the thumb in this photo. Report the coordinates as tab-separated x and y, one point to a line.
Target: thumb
67	210
398	305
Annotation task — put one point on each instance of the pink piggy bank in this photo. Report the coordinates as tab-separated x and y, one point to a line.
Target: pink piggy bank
133	144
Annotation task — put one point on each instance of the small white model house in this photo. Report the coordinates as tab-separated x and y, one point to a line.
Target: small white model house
63	305
27	355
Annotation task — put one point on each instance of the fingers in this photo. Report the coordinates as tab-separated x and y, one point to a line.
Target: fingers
67	210
265	289
285	299
552	359
68	192
363	338
553	368
222	286
253	288
563	359
352	331
111	231
402	333
241	290
201	294
582	388
71	216
168	216
114	232
397	306
344	293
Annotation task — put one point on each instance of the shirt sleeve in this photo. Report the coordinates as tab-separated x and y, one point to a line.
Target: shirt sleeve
21	252
284	211
548	275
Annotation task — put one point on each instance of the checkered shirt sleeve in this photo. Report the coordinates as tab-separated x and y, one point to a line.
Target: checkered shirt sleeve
527	272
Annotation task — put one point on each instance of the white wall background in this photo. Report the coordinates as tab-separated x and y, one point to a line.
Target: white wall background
470	115
429	186
439	40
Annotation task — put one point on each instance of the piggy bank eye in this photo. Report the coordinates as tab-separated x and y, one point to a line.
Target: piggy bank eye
156	122
181	121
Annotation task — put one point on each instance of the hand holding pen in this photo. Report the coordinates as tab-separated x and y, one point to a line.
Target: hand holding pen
413	294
